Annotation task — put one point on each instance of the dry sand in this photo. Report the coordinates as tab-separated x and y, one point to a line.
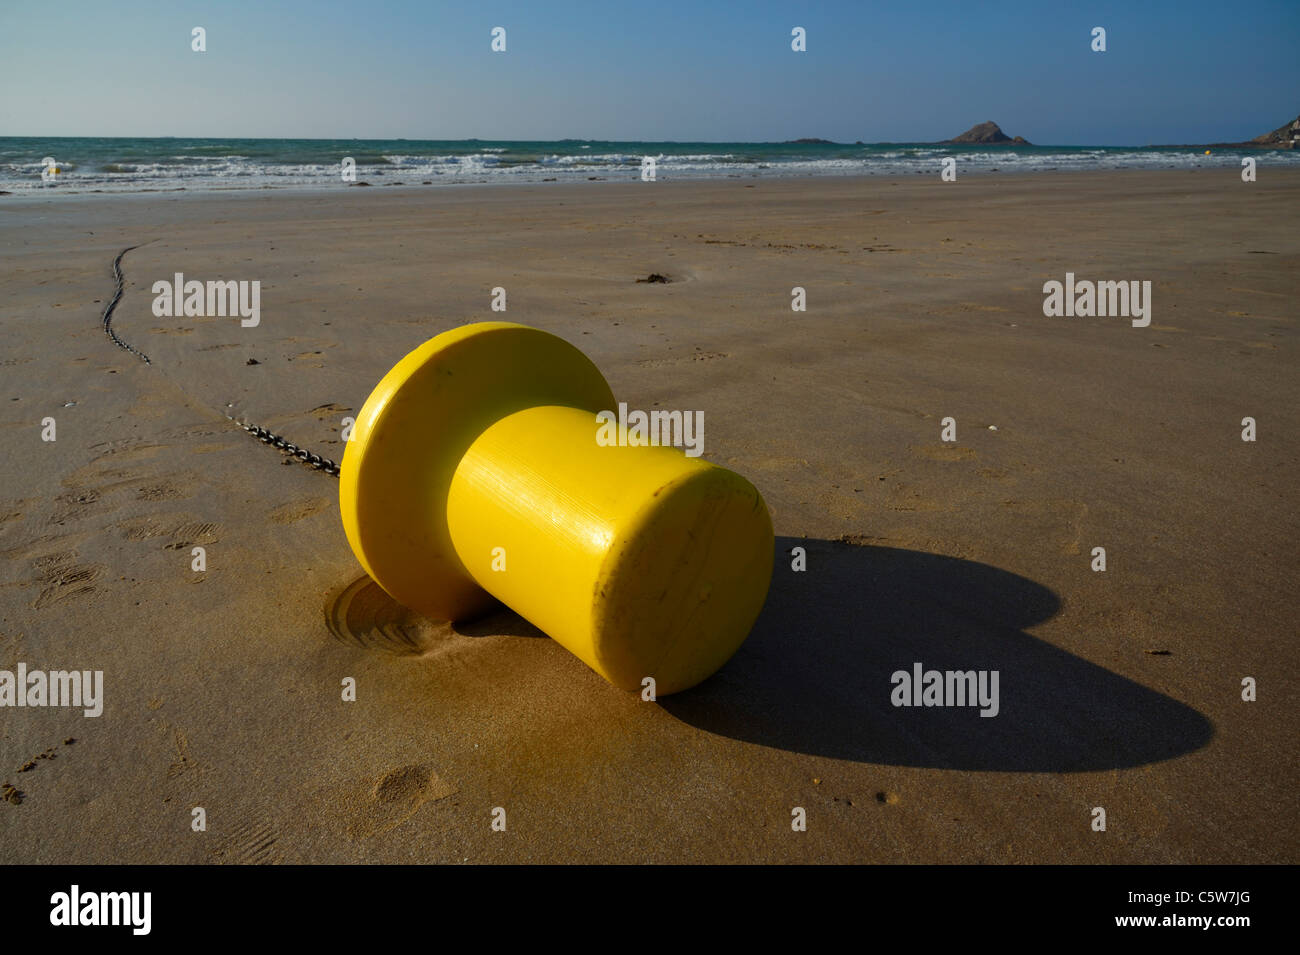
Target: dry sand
924	301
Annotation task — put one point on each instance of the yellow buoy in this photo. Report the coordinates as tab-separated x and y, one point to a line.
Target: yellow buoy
474	473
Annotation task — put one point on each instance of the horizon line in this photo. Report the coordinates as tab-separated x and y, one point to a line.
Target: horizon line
671	142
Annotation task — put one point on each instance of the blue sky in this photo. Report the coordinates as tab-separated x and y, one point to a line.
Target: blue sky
1174	72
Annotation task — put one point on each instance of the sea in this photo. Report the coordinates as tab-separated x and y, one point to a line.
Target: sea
57	166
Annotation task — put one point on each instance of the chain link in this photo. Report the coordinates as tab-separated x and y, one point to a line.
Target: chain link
302	454
310	458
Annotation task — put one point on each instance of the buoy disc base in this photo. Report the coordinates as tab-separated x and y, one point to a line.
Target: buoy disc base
411	434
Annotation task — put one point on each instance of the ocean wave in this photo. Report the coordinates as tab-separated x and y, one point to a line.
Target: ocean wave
137	165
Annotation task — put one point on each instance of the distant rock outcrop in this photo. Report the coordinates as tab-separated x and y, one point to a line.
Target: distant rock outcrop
1284	137
819	142
988	134
1288	136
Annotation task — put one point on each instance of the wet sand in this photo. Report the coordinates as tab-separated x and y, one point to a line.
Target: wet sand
1119	690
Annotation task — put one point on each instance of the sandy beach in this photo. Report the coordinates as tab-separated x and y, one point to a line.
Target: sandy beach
1120	689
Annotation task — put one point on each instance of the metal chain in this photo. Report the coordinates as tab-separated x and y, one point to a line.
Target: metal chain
302	454
112	304
315	461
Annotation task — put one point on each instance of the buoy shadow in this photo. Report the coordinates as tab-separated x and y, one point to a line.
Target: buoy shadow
814	675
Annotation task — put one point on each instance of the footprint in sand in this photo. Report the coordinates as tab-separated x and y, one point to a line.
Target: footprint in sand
185	536
46	545
162	491
118	468
252	842
395	797
183	533
73	505
297	510
63	578
184	761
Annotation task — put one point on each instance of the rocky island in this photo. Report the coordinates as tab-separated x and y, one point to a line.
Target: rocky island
987	134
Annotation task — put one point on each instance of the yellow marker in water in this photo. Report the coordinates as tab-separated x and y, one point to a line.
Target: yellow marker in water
474	472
